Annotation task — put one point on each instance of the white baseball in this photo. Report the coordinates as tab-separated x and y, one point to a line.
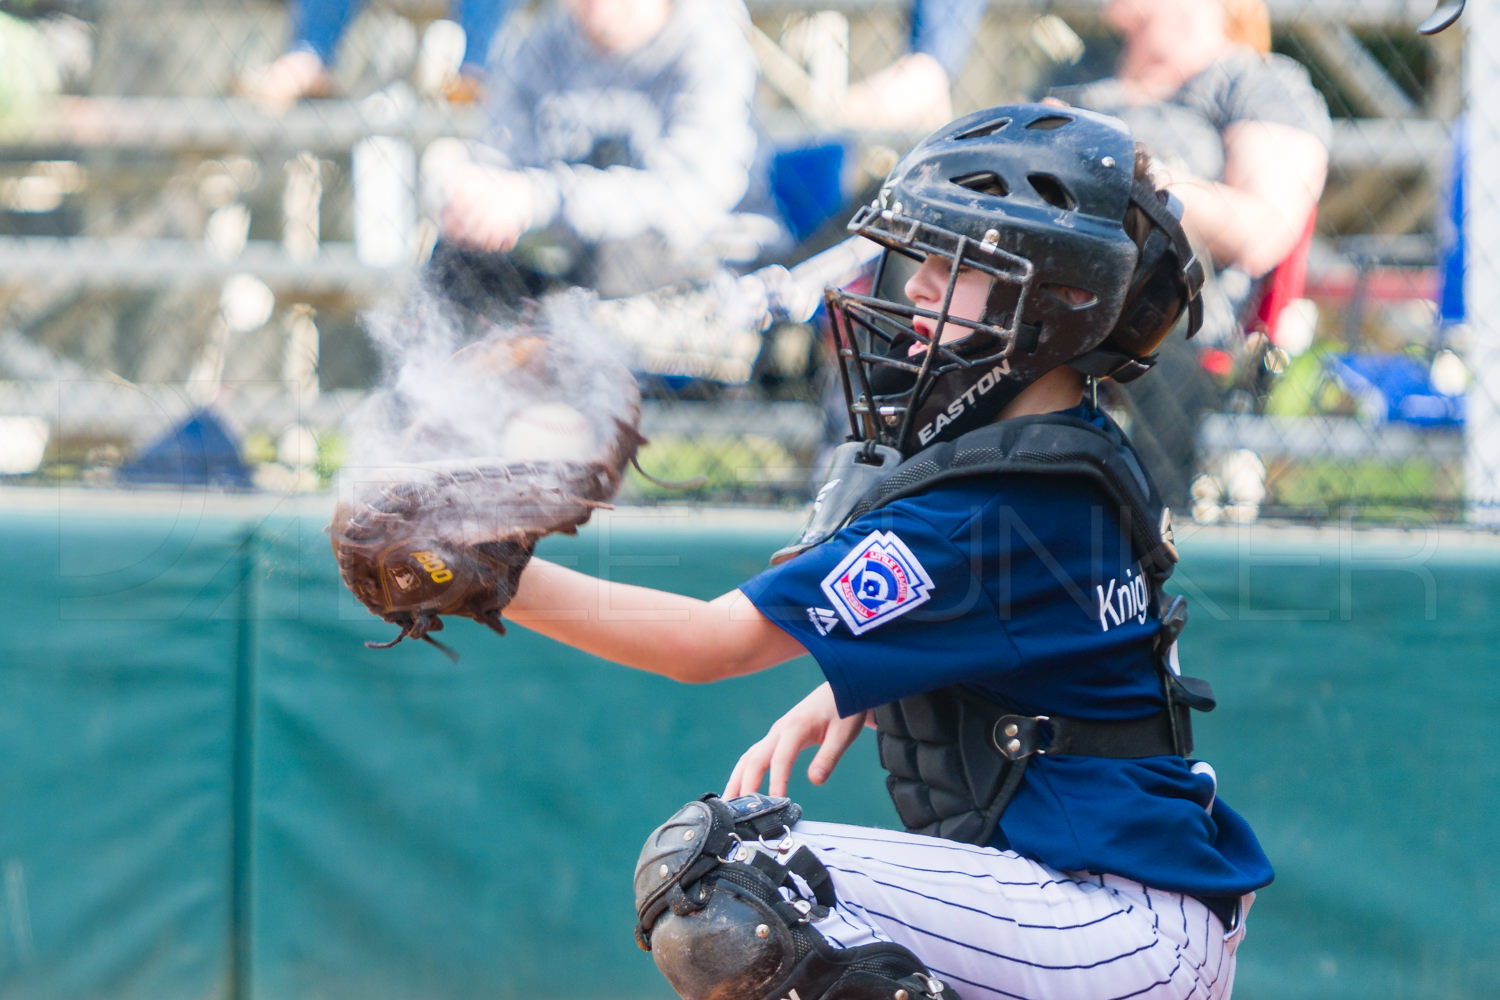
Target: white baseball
548	431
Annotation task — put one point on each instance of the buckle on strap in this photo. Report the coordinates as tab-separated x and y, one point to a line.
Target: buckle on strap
1021	736
1018	736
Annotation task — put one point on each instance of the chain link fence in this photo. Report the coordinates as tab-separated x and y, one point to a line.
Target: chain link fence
176	255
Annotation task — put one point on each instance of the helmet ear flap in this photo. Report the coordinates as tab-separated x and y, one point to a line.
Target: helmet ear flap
1153	301
1168	278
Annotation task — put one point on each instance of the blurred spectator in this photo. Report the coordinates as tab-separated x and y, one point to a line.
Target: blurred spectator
622	156
1240	135
1239	132
318	25
915	90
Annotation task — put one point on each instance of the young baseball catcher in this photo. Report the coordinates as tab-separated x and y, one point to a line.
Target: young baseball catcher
982	581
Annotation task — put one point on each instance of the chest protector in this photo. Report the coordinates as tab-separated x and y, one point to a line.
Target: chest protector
955	758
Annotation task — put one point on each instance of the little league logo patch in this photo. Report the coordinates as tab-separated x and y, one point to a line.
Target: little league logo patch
879	580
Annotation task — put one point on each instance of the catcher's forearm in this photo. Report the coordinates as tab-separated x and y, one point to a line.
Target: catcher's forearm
669	634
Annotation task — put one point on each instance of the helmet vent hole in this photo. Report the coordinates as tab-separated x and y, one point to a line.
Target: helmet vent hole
1071	296
1047	123
985	182
988	128
1053	192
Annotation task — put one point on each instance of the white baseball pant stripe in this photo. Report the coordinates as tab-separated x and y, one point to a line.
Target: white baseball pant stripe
1001	927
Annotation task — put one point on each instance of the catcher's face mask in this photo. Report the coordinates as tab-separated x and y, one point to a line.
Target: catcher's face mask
912	355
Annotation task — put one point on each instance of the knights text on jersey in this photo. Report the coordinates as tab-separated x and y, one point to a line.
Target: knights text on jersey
1026	590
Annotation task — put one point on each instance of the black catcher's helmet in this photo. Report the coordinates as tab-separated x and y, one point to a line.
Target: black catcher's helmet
1036	197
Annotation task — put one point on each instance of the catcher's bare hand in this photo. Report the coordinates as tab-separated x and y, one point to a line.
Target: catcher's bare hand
814	721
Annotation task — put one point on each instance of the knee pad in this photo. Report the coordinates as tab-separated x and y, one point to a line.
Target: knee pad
711	911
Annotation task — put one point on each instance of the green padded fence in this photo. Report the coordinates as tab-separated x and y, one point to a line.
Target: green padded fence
210	789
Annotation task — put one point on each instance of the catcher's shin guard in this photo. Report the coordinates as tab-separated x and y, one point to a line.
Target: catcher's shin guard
711	911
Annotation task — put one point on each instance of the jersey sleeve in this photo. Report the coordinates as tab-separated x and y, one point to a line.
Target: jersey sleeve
889	607
1278	89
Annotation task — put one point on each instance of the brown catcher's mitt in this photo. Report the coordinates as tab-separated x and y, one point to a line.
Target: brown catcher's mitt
451	536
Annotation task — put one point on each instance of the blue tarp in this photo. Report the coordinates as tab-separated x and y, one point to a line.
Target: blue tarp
198	451
1396	387
810	184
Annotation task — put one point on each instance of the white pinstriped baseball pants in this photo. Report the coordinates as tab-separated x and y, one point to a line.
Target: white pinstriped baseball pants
997	926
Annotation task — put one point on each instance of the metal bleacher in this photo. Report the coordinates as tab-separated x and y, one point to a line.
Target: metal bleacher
153	134
1392	134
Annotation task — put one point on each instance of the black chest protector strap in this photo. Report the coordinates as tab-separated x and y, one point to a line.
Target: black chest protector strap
1050	444
954	758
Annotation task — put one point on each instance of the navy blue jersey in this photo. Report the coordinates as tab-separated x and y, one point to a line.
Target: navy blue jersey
1025	589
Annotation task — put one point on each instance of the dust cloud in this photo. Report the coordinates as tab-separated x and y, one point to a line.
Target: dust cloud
453	381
